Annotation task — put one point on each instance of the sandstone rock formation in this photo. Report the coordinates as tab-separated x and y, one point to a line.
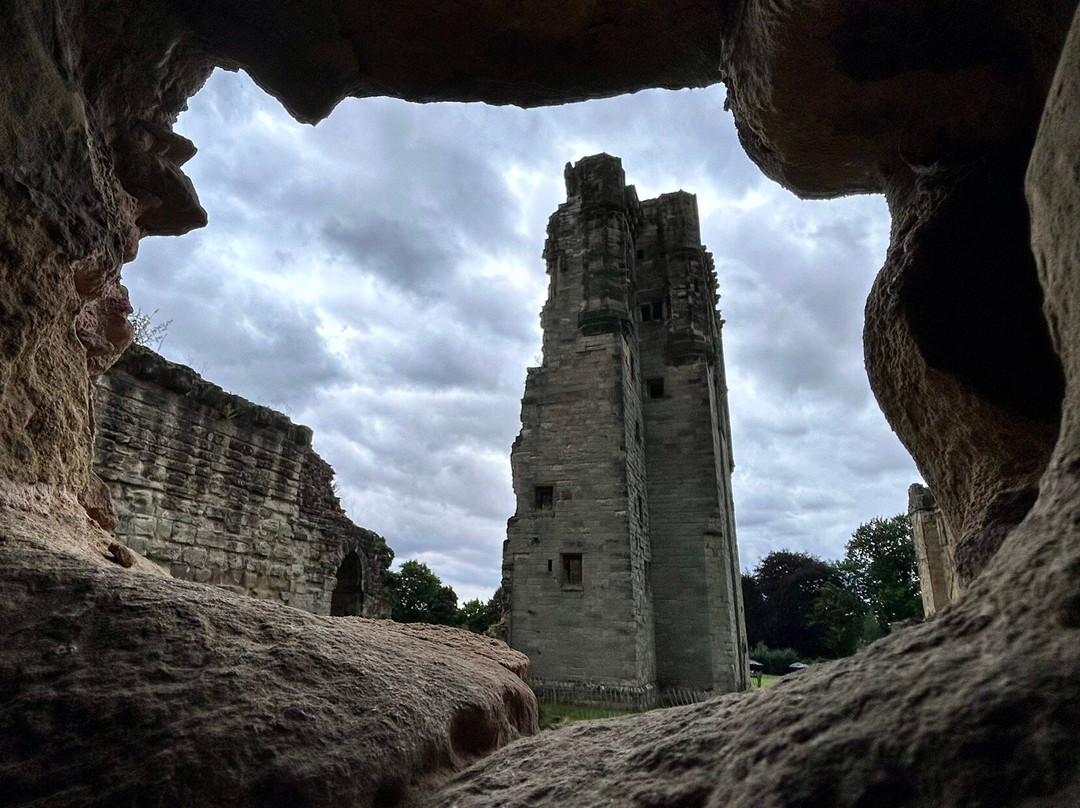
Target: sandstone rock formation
123	689
971	339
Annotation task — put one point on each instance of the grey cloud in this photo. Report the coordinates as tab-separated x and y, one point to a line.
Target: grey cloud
245	338
406	257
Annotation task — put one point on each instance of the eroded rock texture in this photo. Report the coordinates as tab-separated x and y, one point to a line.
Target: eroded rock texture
934	102
122	689
936	105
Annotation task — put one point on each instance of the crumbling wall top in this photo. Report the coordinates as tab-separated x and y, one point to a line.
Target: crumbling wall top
145	364
920	498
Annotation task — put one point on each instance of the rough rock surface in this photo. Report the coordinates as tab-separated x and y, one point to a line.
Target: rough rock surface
935	102
310	55
980	702
122	689
936	105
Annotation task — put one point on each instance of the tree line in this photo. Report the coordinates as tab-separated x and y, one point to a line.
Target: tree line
800	607
417	595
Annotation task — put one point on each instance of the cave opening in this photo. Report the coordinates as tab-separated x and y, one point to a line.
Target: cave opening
398	322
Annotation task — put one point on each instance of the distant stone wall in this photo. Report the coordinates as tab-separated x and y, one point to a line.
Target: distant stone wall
218	490
938	580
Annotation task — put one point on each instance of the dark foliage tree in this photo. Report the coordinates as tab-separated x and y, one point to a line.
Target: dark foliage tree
774	661
881	556
839	612
789	584
418	596
753	609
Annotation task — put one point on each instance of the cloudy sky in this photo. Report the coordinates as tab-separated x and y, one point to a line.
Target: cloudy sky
378	278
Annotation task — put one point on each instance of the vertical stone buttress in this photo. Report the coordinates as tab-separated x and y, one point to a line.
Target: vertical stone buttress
697	594
938	581
598	542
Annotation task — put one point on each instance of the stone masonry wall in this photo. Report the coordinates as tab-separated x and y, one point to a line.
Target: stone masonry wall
640	476
695	564
938	581
580	439
218	490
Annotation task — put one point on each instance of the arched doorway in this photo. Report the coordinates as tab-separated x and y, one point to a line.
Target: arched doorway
348	595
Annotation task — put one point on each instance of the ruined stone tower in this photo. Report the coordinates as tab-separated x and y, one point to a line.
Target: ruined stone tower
620	566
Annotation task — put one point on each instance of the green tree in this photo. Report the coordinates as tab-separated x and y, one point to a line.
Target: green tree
753	609
418	596
789	584
881	557
839	612
774	661
477	616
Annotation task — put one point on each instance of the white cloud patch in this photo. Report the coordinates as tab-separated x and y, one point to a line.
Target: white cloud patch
379	278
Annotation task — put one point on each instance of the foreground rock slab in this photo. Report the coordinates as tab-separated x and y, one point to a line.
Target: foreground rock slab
978	706
118	688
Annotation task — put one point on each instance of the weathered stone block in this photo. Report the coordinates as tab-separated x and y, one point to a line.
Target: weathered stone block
182	532
137	543
195	556
164	552
142	526
139	502
257	565
181	571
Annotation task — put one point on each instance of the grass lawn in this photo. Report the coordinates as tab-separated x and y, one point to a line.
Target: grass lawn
557	716
767	680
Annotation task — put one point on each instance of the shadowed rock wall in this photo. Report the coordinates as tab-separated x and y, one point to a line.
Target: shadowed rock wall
218	490
971	342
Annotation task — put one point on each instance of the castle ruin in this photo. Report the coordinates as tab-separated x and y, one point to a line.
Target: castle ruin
939	584
621	564
215	489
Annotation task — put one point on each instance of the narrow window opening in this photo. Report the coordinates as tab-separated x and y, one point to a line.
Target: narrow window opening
571	569
549	565
656	388
640	254
653	311
544	497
